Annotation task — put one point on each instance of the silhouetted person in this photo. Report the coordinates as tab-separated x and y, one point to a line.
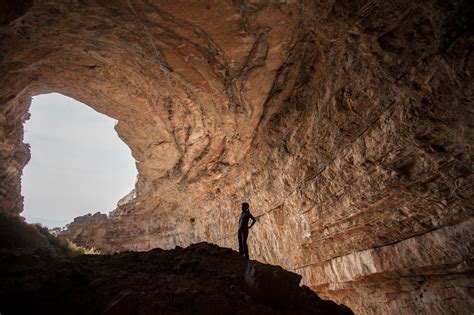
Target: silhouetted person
244	227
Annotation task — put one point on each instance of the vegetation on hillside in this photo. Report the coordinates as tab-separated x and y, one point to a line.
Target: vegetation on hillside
16	233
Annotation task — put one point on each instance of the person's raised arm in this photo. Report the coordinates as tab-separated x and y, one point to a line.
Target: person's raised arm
253	220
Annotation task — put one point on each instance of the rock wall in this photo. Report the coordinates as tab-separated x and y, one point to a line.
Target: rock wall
347	126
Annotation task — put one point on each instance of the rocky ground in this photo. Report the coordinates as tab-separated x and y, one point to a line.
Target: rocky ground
199	279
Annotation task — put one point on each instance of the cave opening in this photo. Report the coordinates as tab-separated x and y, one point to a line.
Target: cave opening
78	163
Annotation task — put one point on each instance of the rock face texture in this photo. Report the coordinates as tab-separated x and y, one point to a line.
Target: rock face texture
347	126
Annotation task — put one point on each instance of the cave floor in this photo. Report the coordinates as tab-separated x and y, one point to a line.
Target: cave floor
199	279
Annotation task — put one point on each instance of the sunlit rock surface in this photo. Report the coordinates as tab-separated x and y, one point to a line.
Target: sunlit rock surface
347	126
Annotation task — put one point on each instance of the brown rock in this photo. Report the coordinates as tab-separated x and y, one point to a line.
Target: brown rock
346	125
273	286
145	283
125	303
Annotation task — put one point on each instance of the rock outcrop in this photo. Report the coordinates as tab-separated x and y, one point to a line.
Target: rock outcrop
347	126
200	279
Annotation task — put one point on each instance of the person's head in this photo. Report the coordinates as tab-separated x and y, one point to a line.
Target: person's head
245	206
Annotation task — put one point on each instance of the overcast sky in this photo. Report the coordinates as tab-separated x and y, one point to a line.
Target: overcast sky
78	163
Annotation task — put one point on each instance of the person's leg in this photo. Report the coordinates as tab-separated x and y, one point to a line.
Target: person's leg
246	249
241	245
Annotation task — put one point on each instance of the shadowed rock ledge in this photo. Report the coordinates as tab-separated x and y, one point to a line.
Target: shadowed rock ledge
200	279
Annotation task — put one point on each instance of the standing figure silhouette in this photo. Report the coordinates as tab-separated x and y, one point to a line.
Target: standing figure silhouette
244	227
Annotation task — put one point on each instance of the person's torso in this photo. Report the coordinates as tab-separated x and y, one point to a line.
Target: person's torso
244	220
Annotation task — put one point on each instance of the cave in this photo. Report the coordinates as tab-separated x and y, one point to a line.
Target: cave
346	125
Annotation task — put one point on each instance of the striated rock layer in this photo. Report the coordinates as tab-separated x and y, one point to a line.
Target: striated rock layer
347	126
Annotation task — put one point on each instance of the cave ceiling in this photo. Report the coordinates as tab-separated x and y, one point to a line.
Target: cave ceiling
347	126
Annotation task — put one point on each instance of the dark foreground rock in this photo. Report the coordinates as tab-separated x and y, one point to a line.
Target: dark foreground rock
199	279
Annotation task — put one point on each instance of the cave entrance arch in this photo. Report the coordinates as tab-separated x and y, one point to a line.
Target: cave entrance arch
78	163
